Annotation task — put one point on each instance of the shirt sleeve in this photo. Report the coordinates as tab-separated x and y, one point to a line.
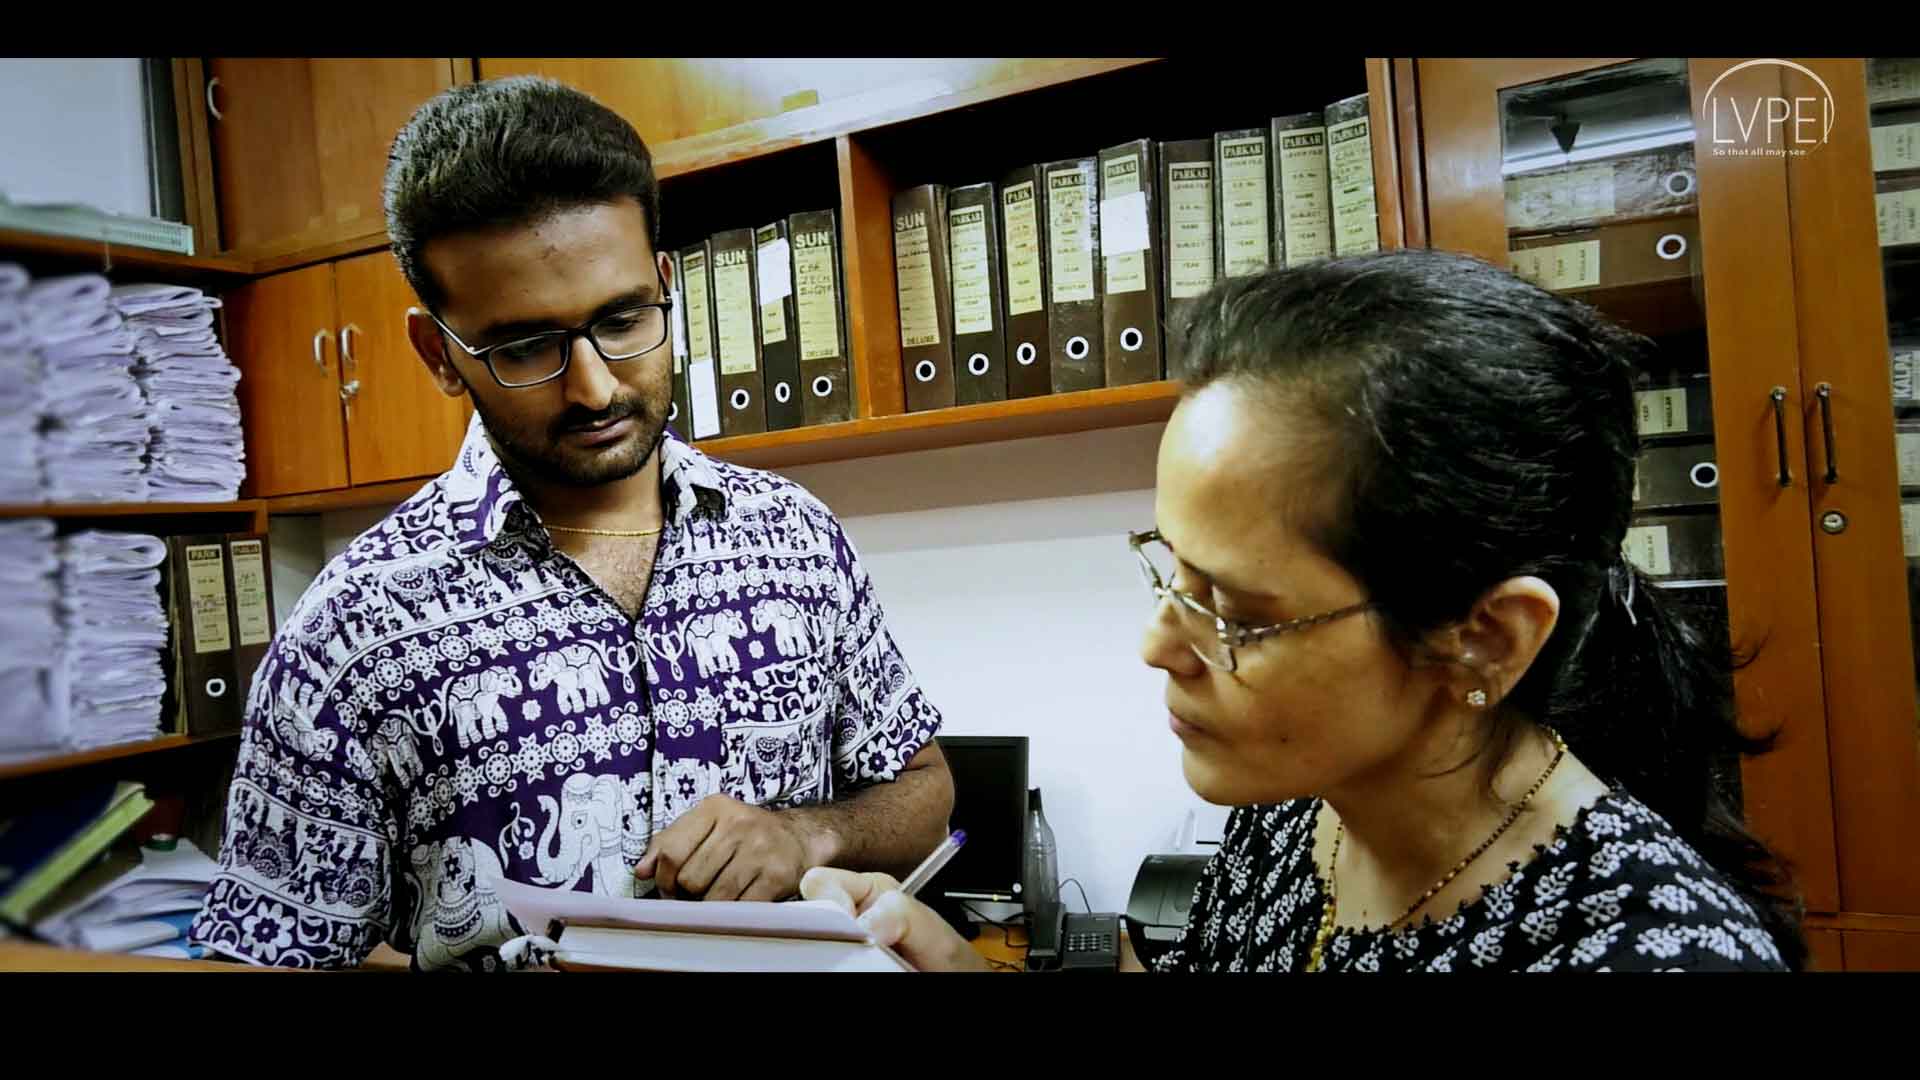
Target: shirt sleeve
882	717
303	878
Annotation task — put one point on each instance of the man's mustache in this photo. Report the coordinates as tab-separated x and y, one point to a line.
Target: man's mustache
577	419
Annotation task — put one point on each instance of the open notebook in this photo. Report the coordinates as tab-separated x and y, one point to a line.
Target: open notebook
609	932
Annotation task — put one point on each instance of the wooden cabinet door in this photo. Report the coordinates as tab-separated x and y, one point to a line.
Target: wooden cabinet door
300	146
265	158
399	424
1856	202
1525	157
280	335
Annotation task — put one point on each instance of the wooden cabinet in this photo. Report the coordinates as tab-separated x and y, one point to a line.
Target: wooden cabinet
331	392
300	145
1794	308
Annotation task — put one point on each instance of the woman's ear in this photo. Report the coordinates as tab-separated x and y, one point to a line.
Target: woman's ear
1502	636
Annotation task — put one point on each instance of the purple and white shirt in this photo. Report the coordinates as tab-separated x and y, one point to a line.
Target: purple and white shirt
453	700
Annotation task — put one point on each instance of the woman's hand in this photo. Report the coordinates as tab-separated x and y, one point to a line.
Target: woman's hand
910	928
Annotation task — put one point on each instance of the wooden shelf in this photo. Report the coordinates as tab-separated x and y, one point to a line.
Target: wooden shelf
17	242
36	766
828	120
320	502
255	510
1000	421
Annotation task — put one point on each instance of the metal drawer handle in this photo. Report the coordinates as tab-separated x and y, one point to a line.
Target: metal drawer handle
1779	396
211	107
319	344
1824	391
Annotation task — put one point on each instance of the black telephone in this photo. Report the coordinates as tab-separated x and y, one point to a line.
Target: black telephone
1061	941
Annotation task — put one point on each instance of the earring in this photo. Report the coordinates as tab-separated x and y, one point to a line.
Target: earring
1477	698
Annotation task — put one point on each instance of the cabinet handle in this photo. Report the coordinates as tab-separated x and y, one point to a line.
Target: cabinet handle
211	107
346	344
1824	391
319	344
349	390
1779	396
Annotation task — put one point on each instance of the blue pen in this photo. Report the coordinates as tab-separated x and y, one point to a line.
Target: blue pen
941	855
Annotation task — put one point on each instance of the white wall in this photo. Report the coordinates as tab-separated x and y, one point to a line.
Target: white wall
1007	581
75	131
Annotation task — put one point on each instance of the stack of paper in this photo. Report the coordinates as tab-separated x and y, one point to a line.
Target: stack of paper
33	718
198	453
143	909
114	631
44	851
95	417
19	395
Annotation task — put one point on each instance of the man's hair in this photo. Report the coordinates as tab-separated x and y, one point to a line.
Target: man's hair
507	152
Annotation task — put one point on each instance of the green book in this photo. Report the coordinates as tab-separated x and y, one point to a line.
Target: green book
38	880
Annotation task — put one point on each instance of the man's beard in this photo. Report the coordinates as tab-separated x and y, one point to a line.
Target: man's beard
547	457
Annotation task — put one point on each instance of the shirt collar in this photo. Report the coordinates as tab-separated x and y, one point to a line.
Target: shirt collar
481	497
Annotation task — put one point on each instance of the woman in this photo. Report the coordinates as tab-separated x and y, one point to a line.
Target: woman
1461	731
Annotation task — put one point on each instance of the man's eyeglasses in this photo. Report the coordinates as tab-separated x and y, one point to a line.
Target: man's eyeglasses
538	358
1212	638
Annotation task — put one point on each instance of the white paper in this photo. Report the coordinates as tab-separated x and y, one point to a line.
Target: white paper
537	908
703	395
1123	224
776	271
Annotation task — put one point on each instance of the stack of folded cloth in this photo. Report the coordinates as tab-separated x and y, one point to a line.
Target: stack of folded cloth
198	453
19	395
95	418
114	630
33	695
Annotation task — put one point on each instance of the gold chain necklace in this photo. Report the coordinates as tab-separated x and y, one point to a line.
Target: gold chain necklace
628	533
1317	956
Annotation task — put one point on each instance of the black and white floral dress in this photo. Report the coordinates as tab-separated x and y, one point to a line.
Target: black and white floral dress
1617	890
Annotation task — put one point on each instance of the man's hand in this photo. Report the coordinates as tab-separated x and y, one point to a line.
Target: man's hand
724	849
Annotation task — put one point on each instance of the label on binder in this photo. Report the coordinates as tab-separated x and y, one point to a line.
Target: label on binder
1190	220
250	599
1243	209
816	306
1907	451
776	273
1646	547
703	398
1559	198
1124	236
1899	216
913	270
207	595
1350	171
1896	147
1070	235
1305	216
1905	369
733	312
699	317
1560	266
1662	412
679	326
1022	223
1910	529
972	282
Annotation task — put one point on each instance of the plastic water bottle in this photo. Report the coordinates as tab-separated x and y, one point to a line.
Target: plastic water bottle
1040	871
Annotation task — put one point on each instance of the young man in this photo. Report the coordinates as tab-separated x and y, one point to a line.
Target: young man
587	656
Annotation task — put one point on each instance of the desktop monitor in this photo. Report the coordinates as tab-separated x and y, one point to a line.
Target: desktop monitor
990	803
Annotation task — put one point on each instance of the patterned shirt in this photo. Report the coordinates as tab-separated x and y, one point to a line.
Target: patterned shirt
1617	890
454	700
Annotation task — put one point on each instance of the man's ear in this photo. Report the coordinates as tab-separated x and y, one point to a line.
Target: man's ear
665	260
424	333
1502	636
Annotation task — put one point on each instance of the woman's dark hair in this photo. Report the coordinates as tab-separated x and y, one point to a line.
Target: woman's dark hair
1473	428
507	152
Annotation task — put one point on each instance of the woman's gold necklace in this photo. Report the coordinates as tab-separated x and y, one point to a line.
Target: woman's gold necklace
1317	956
627	533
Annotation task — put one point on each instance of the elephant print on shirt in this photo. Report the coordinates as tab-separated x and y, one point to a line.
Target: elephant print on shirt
579	673
457	908
711	638
474	701
788	623
584	830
